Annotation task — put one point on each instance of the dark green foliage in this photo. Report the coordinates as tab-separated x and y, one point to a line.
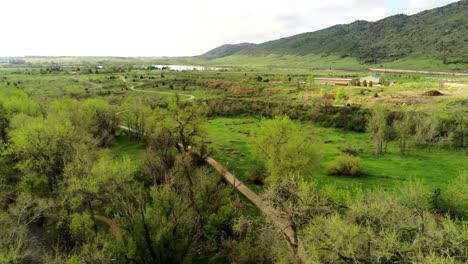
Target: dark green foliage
439	33
256	173
226	50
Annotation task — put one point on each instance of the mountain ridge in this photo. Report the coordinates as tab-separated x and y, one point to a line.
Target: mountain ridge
440	33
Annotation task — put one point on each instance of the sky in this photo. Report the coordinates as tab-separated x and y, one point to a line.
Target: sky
174	27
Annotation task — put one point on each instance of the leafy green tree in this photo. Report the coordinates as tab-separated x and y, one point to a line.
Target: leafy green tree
377	128
460	115
159	156
184	123
4	124
340	95
403	128
42	147
280	144
426	129
457	191
135	115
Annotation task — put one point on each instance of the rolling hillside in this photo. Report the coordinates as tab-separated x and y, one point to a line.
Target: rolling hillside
440	34
226	50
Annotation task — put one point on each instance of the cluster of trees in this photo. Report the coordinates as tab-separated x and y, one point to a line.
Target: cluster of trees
65	199
335	226
416	128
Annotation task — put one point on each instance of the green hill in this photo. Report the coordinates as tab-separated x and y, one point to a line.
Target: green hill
226	50
438	34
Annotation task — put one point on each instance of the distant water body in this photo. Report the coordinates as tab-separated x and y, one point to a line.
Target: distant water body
188	68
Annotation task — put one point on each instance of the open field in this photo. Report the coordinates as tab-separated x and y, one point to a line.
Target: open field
230	142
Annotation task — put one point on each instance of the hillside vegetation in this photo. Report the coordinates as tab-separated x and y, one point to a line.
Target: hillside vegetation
226	50
440	33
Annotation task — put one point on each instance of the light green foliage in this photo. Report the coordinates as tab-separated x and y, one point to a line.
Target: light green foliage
377	228
345	165
340	95
403	128
43	148
134	115
377	128
16	101
425	129
184	122
13	102
81	227
457	193
460	115
280	144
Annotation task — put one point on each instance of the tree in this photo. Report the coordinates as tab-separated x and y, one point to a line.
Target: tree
460	115
135	116
281	146
4	124
91	183
364	83
159	156
184	123
426	131
340	95
42	148
403	129
377	128
371	83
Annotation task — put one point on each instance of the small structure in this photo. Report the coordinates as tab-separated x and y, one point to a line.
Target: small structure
374	78
335	81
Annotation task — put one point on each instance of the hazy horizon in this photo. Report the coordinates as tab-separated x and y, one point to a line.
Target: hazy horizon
144	28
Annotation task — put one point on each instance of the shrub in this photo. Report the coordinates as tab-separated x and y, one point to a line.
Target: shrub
345	165
256	173
350	149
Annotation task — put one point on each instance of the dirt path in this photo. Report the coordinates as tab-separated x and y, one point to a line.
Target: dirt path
278	220
115	230
275	216
190	97
91	84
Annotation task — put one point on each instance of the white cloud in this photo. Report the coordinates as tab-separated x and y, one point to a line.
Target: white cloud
416	6
161	27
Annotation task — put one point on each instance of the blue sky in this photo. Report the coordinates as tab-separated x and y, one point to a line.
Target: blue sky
174	27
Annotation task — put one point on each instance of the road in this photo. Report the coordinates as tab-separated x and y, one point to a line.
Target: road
419	71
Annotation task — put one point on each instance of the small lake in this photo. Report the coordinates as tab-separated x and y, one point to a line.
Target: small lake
188	68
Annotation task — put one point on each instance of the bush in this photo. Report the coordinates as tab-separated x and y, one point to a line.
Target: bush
345	165
256	173
350	149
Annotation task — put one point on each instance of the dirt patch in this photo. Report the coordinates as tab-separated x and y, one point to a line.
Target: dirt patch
432	93
271	90
242	90
396	100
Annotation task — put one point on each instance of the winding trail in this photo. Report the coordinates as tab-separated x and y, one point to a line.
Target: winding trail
279	220
91	84
114	228
190	97
275	216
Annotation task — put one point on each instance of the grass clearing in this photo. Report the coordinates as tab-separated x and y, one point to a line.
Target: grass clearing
231	146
